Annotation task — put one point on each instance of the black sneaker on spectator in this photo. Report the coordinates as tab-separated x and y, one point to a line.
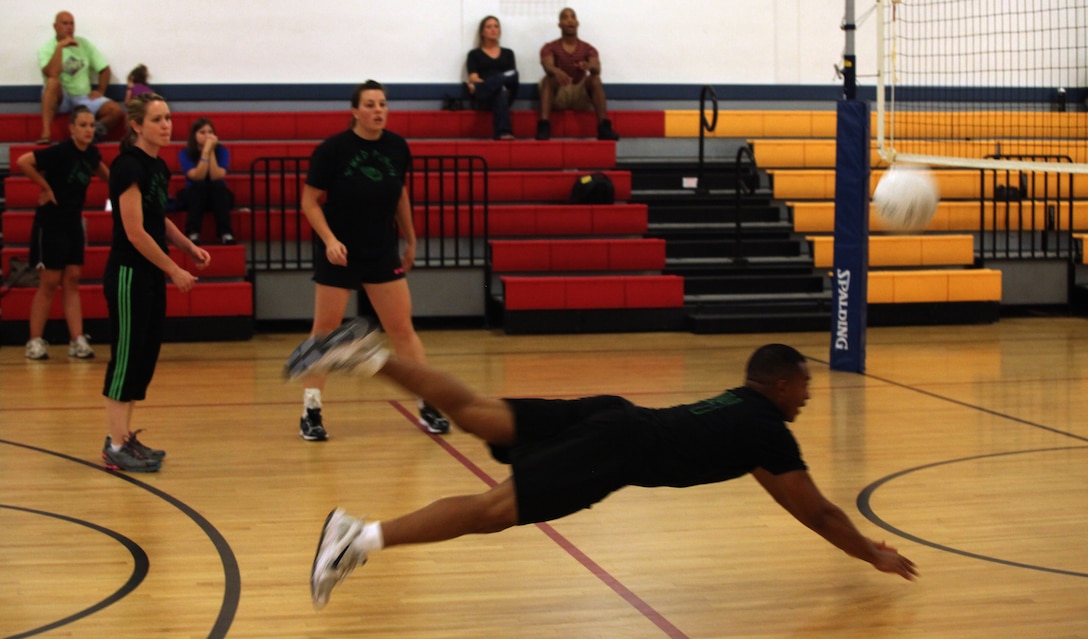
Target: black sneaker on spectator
605	131
543	130
194	238
227	239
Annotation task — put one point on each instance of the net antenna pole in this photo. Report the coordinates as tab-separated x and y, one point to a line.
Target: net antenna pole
880	77
885	67
849	58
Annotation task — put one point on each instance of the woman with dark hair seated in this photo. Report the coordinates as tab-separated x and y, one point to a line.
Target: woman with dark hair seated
205	163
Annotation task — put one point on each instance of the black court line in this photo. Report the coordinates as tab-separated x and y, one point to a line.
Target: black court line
864	499
139	571
598	571
981	409
232	579
864	505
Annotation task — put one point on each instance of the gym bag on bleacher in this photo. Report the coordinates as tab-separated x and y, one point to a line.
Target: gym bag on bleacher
593	188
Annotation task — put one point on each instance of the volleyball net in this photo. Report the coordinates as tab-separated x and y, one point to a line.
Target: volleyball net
988	84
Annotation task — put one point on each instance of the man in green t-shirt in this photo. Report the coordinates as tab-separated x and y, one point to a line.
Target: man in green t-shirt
67	63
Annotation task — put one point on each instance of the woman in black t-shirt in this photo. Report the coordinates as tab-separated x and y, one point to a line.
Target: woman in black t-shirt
493	76
135	279
63	172
361	173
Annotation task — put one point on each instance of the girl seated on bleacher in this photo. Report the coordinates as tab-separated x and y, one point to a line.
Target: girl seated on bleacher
205	163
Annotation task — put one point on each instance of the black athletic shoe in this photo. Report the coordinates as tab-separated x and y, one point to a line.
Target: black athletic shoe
310	427
543	130
434	421
156	454
606	132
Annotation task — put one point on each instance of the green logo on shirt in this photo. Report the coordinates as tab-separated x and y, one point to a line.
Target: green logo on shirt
155	198
370	164
81	173
714	403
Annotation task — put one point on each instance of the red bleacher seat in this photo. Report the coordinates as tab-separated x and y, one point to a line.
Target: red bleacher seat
578	255
529	154
504	186
206	299
593	292
17	226
317	125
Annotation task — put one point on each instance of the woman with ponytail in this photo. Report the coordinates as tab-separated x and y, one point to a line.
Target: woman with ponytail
134	282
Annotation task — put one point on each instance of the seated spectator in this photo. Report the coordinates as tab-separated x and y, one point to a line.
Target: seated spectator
66	62
493	76
63	172
572	79
137	83
205	163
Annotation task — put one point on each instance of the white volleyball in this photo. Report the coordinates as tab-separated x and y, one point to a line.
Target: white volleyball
906	198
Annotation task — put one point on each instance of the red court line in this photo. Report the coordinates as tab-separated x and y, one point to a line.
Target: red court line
593	567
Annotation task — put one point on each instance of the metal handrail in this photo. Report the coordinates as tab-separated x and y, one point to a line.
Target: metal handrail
704	127
745	158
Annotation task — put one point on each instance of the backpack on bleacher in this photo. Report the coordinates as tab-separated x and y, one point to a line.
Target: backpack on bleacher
593	188
20	275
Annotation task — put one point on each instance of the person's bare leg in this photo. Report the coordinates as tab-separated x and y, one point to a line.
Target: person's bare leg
49	280
596	94
329	305
110	114
492	420
548	87
392	301
119	417
73	310
50	101
452	517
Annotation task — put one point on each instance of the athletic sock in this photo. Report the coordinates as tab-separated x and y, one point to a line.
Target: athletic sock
115	447
370	539
311	398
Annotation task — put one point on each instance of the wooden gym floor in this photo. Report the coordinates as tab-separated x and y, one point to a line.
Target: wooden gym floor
965	447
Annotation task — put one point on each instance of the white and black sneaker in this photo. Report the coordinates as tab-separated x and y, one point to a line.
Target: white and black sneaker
335	558
357	346
435	422
310	426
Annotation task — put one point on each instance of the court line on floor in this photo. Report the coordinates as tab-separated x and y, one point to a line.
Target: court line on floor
864	504
864	499
232	578
636	602
140	566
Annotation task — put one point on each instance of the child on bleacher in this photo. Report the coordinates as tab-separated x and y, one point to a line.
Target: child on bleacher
63	172
137	83
205	163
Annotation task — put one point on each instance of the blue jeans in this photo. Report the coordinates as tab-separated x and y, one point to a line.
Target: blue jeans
498	93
